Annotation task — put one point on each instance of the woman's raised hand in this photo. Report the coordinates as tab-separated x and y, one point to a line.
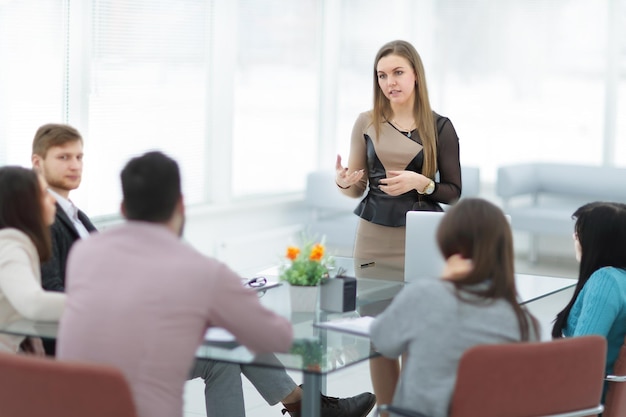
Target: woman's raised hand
345	179
456	268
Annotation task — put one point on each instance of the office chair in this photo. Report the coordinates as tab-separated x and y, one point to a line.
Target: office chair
615	401
32	387
561	378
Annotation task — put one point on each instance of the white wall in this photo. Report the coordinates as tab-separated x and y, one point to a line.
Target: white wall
248	237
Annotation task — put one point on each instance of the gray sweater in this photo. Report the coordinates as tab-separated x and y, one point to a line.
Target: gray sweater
434	327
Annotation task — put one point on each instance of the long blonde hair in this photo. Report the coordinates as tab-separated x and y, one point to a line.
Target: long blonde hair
422	112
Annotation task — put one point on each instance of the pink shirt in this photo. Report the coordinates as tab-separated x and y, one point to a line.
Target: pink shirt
140	299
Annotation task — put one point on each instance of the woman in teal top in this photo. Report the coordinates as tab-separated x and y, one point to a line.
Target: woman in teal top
598	305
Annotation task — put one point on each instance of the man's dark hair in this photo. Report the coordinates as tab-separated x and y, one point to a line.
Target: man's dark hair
151	187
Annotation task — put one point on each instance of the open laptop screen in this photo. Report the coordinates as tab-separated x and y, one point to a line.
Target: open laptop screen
422	257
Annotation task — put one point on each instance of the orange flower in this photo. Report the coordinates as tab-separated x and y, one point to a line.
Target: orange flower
317	253
292	252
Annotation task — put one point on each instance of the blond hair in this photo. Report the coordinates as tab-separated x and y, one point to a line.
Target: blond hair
51	134
424	119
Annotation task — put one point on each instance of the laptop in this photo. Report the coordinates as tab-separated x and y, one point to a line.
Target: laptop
422	257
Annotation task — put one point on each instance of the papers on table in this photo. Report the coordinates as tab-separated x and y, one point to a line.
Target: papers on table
218	336
359	326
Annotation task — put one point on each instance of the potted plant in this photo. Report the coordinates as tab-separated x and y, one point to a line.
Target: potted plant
304	269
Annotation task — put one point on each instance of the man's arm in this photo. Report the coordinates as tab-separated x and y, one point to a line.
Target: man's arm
238	310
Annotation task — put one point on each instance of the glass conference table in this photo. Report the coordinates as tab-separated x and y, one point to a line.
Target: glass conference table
318	352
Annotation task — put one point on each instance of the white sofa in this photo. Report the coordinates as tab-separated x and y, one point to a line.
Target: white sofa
331	212
541	197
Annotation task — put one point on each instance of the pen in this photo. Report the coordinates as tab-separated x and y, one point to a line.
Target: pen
367	265
256	282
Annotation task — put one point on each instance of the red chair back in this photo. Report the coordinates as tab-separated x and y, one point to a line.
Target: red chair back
530	379
33	387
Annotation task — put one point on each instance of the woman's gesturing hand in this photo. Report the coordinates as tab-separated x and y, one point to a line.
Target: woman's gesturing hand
345	179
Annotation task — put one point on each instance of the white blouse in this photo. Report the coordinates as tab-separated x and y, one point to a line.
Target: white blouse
21	294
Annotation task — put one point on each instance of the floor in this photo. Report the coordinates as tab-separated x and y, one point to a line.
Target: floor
356	379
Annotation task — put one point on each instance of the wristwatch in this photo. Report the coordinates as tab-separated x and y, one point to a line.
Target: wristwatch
428	190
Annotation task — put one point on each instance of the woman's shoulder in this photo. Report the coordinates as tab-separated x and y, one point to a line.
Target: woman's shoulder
615	271
430	289
364	119
10	234
438	116
440	120
609	273
11	239
362	124
607	280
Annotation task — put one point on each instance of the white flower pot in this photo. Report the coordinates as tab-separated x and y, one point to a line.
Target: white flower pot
303	298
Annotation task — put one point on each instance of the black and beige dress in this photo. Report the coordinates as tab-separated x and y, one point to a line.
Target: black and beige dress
381	232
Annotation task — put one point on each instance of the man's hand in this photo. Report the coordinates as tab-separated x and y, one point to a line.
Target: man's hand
32	346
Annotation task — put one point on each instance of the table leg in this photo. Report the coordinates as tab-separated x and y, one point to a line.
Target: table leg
311	387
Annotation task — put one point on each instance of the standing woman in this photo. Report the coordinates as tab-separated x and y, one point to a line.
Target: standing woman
396	148
26	212
598	305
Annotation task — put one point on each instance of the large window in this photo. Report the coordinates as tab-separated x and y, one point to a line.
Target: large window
521	81
145	88
276	96
130	75
32	72
364	29
250	95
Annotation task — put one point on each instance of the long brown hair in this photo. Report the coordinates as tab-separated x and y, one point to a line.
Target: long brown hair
422	113
478	230
21	207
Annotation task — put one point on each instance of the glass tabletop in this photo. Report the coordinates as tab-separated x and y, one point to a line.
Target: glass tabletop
531	288
315	350
326	350
24	327
319	350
